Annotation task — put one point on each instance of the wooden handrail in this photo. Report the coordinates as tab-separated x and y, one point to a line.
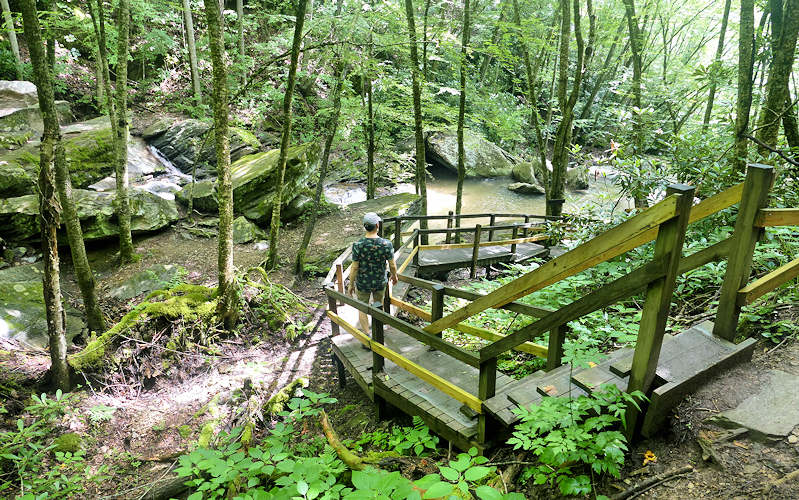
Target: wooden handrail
476	331
601	248
422	336
479	216
767	283
603	297
538	237
771	217
470	229
431	378
408	260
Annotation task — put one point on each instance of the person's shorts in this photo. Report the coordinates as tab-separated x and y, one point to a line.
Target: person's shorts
371	296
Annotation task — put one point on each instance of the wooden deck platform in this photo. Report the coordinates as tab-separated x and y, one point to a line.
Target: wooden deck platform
455	258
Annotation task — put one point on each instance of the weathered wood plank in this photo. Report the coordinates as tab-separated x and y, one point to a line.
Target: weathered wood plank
497	243
717	251
408	260
770	217
769	282
601	248
716	203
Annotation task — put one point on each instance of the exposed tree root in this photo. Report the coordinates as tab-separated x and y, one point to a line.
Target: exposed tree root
652	482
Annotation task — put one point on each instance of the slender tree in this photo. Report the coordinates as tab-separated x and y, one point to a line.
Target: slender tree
711	92
462	106
98	21
12	37
274	227
425	41
227	308
746	50
121	114
421	166
191	44
369	125
782	58
240	26
636	43
49	206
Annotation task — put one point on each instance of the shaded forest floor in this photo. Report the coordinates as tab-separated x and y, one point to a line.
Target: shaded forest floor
149	428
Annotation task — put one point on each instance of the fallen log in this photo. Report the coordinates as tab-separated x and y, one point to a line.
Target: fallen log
652	482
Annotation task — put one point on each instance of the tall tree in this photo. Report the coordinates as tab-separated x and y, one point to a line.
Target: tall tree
782	58
711	92
274	227
227	308
746	51
421	166
636	44
121	114
462	106
12	37
98	22
191	44
369	125
49	207
240	19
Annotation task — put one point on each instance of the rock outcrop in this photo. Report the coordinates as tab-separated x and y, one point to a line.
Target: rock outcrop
255	178
149	212
180	143
526	188
483	158
20	118
576	177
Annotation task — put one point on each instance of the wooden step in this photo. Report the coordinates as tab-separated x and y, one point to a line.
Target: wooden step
593	378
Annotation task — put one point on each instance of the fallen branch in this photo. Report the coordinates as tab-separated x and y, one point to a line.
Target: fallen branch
507	476
791	476
352	460
277	402
652	482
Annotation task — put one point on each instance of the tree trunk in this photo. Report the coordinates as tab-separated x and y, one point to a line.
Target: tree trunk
462	107
227	307
274	227
369	132
778	76
102	49
746	50
535	119
421	165
711	93
122	201
192	46
240	14
635	46
12	37
494	39
607	70
790	126
424	38
49	208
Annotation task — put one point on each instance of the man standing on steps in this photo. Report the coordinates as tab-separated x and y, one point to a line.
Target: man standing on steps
369	257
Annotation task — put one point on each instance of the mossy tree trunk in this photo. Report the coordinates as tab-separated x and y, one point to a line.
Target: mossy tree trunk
121	172
461	104
746	47
49	207
12	37
191	44
635	48
340	75
227	308
274	226
240	27
421	165
711	93
98	19
369	126
782	59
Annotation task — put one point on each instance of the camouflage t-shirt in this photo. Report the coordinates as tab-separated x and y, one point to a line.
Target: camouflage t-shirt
371	254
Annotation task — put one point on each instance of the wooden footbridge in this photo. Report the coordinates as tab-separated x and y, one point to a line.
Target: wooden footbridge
461	395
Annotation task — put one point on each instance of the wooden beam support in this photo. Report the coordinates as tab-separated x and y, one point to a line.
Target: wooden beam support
332	306
487	385
770	217
492	222
607	245
450	221
717	251
668	250
767	283
475	253
759	179
397	233
557	336
377	336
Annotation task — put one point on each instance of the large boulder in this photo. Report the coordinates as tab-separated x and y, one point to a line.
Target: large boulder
255	178
180	143
20	119
22	313
245	231
576	177
483	158
149	212
89	150
526	188
157	277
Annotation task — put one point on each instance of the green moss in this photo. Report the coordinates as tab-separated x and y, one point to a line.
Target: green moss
246	137
185	431
277	402
68	443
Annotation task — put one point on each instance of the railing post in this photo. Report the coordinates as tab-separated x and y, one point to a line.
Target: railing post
668	249
739	263
475	250
449	226
486	389
397	233
492	222
332	306
526	226
416	245
514	235
377	336
458	225
437	304
340	277
555	347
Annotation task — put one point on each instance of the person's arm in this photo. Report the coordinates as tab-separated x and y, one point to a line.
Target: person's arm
393	266
353	277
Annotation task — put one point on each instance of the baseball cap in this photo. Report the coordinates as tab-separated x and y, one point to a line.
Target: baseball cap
371	218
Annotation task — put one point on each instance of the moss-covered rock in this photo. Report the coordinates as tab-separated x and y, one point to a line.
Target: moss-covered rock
203	194
245	231
149	212
180	143
483	158
70	442
157	277
526	188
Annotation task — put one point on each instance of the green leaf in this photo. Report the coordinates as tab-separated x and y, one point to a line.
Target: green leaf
449	473
476	473
302	487
439	489
487	493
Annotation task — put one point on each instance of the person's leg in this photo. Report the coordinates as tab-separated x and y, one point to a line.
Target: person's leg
363	319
